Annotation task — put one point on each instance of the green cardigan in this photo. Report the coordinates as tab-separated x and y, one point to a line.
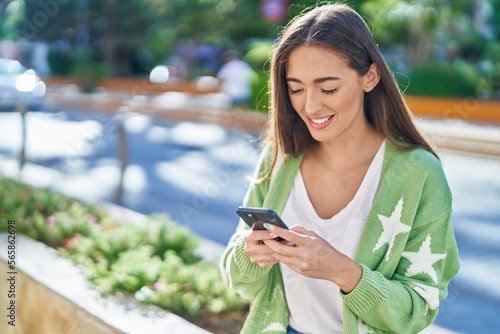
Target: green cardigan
407	249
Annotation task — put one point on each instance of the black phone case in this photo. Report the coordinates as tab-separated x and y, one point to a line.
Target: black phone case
256	217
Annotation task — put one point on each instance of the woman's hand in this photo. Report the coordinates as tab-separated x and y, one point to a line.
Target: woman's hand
312	256
257	249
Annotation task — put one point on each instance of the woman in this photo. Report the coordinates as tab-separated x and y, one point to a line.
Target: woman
371	247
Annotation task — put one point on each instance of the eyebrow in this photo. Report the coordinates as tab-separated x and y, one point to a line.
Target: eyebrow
316	81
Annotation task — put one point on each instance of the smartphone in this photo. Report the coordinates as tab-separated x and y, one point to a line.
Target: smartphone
256	217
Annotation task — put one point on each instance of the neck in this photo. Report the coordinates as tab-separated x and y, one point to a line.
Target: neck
351	149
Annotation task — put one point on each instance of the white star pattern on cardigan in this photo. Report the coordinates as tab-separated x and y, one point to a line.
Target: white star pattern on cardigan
275	327
392	227
421	262
363	328
429	293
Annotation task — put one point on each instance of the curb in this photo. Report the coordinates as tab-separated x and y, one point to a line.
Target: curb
463	137
62	280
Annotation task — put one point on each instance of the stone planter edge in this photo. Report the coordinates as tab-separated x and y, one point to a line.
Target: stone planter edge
42	264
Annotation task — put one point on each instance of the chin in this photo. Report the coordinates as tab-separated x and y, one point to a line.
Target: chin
323	137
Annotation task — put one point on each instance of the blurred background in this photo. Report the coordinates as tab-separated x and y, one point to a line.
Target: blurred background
426	42
158	106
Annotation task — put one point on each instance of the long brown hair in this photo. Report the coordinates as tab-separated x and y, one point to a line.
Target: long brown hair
338	28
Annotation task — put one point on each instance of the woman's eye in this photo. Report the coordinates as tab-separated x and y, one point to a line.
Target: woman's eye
295	91
329	91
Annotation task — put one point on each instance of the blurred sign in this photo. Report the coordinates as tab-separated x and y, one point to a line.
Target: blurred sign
274	10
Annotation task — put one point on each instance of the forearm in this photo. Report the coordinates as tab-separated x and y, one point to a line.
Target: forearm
349	276
389	305
238	271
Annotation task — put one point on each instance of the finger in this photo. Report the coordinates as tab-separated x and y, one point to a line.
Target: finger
287	260
256	247
302	230
257	250
289	235
285	242
262	259
284	247
259	235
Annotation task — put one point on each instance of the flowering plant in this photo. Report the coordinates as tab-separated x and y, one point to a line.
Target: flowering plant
151	260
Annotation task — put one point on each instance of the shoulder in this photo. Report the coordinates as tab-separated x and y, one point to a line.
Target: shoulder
416	169
270	160
418	173
416	177
417	162
266	155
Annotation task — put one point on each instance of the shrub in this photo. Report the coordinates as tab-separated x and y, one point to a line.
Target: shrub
62	60
258	57
260	97
152	260
89	71
46	216
493	55
443	79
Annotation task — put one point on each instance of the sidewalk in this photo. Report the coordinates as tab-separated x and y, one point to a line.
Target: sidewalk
453	134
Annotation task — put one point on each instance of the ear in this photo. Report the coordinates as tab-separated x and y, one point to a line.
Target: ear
371	78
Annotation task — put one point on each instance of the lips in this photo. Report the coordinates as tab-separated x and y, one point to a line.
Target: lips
320	122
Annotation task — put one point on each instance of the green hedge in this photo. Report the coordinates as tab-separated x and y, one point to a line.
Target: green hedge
442	79
258	57
153	260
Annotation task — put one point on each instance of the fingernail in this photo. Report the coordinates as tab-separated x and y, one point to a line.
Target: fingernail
272	235
268	226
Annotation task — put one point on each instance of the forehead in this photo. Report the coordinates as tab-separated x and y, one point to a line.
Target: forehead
313	61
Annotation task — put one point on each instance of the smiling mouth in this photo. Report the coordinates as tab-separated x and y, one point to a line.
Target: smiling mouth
320	121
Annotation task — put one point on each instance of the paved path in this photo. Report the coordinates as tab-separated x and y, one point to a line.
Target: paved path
197	173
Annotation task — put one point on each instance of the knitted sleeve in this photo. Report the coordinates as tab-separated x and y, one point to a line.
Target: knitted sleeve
238	272
402	292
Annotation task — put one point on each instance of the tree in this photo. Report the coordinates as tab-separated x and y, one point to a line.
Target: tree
112	29
11	15
134	35
120	30
414	24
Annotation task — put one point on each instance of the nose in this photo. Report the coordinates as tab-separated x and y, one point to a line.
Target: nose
312	103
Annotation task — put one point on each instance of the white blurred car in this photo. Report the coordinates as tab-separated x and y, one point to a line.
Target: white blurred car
19	85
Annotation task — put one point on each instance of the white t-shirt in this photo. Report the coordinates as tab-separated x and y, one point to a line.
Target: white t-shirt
316	305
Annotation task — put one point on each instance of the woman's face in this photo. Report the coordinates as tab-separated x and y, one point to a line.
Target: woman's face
326	93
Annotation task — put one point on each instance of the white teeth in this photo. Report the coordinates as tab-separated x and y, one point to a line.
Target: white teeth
321	120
